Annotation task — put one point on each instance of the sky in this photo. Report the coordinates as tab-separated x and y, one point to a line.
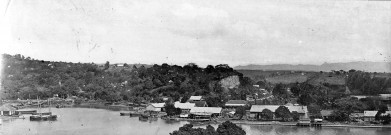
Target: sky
234	32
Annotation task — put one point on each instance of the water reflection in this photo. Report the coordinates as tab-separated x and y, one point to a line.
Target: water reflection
264	129
280	130
88	121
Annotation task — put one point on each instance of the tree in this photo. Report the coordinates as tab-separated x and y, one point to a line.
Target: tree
346	106
314	111
214	101
171	110
267	114
210	130
226	128
241	111
107	65
295	90
305	99
385	119
283	113
185	98
279	90
295	116
382	109
339	115
229	128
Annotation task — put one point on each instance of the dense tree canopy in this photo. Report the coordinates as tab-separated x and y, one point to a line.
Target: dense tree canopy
283	113
226	128
26	78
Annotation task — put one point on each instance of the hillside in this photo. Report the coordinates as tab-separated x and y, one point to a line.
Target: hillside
363	66
288	77
23	77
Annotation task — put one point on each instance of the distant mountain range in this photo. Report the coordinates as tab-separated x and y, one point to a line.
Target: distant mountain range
363	66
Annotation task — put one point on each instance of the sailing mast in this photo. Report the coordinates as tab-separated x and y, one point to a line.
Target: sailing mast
49	105
39	106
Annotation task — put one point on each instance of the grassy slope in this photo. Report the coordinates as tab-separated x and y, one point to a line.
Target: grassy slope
287	77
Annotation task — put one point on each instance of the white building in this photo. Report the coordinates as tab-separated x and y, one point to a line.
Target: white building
195	98
156	107
185	107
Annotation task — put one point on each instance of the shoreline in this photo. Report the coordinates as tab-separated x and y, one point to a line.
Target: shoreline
241	122
276	123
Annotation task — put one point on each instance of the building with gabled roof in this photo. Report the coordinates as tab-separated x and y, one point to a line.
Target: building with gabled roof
7	110
200	103
156	107
205	112
185	107
369	115
195	98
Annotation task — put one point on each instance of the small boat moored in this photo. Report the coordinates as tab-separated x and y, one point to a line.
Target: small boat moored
26	111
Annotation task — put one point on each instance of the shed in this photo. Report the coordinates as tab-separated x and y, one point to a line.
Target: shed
7	110
369	115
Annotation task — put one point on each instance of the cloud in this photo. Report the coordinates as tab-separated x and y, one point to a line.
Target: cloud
196	21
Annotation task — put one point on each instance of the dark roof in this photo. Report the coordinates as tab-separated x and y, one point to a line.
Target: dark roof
200	103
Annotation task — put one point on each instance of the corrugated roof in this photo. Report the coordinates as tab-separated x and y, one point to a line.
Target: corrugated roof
373	113
195	98
370	113
199	103
209	110
236	103
260	108
158	105
184	105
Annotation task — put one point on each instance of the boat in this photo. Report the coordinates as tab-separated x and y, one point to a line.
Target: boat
42	113
146	117
153	117
46	116
60	106
168	118
26	111
124	113
202	122
43	117
304	123
135	114
143	117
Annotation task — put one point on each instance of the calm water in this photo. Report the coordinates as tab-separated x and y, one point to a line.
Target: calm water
87	121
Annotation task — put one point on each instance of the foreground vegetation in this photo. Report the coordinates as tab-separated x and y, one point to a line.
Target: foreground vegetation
226	128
